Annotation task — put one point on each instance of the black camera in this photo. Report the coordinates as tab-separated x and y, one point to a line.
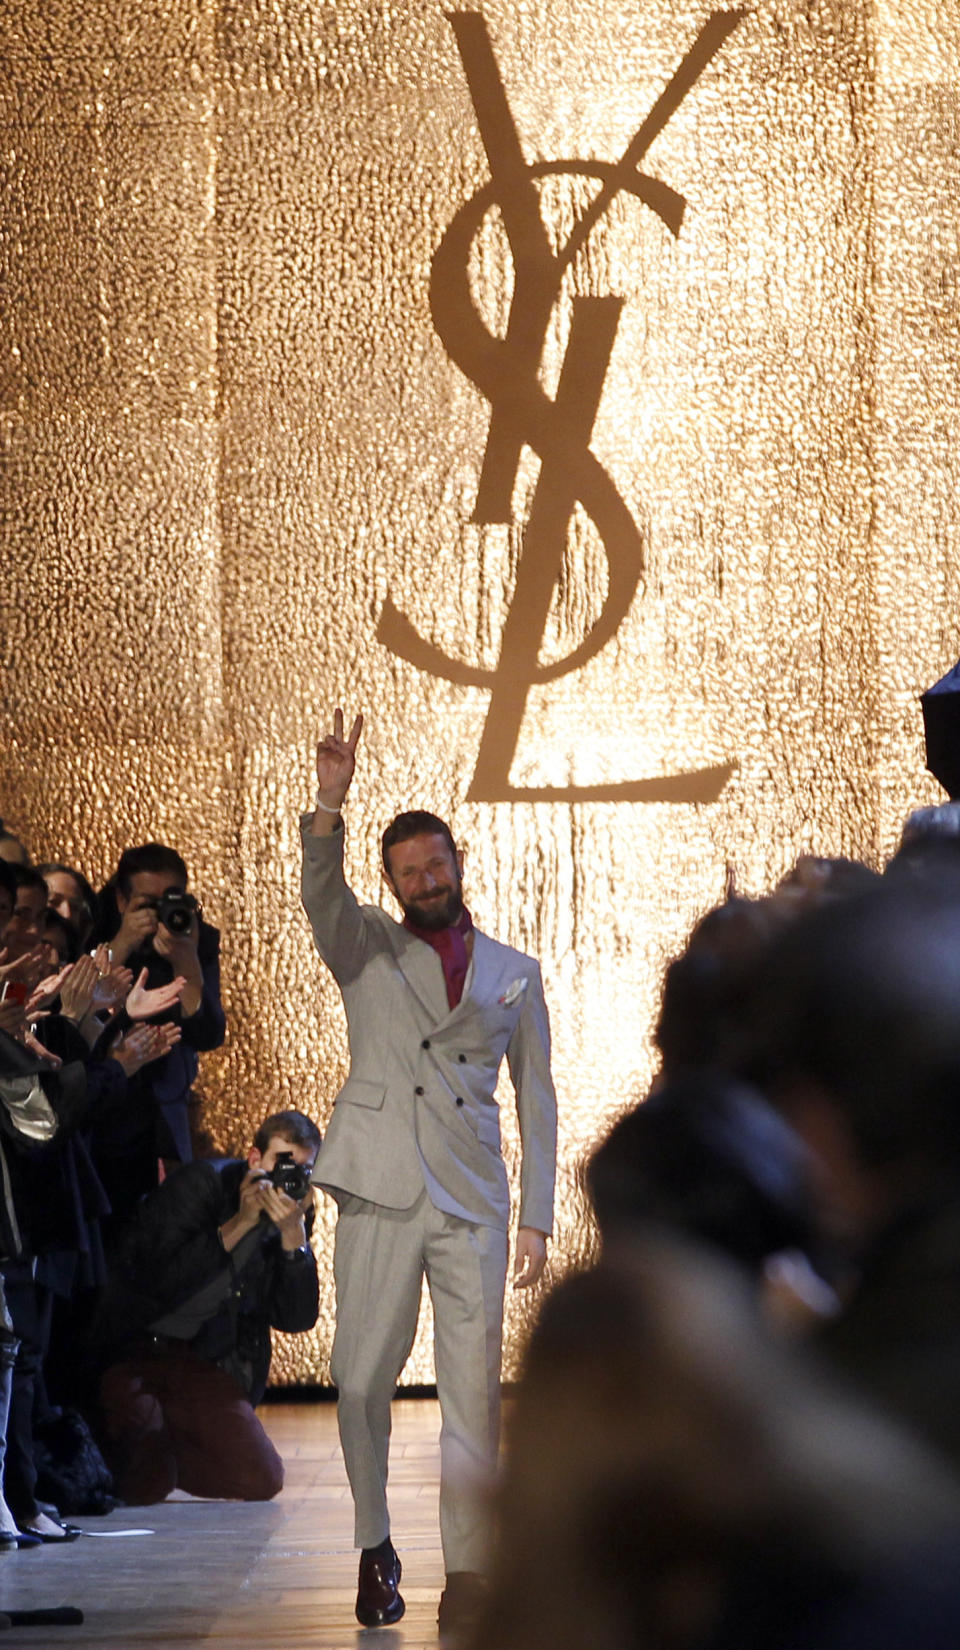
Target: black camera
176	911
290	1177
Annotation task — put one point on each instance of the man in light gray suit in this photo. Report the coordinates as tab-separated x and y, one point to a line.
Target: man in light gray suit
412	1156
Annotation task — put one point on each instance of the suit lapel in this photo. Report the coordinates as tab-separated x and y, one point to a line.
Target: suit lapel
423	972
481	978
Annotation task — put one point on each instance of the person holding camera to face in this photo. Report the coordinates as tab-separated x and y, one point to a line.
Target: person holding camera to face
159	928
210	1261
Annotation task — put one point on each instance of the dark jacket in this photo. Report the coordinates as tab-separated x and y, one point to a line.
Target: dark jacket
50	1197
153	1120
899	1337
170	1250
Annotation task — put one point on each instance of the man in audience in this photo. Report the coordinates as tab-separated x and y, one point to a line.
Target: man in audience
160	930
211	1260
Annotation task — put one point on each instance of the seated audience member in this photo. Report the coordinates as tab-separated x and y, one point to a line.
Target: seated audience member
153	1124
71	896
858	1043
677	1479
211	1260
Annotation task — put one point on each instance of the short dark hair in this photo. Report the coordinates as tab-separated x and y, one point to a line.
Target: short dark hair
51	921
154	857
8	880
415	823
25	876
294	1126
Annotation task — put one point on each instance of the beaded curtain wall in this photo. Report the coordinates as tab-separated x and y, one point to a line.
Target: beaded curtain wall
572	388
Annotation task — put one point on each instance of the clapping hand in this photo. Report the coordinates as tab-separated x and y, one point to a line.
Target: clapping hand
113	983
26	967
143	1044
142	1004
46	992
77	987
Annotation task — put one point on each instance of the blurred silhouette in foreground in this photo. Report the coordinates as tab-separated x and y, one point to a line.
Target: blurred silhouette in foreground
678	1480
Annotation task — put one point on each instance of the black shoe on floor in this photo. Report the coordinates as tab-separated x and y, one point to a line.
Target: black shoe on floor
378	1597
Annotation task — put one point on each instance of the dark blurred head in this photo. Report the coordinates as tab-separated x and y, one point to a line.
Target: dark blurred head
706	1157
816	879
858	1016
663	1450
928	855
706	990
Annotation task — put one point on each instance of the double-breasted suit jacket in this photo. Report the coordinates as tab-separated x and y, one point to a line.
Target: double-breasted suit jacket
418	1110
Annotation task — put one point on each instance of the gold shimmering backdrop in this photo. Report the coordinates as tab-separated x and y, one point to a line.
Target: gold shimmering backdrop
233	438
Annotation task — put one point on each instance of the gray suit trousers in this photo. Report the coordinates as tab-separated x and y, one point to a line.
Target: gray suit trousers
380	1259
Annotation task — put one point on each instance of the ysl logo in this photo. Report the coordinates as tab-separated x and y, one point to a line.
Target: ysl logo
558	431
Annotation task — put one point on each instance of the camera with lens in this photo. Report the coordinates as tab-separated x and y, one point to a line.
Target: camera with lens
176	910
290	1177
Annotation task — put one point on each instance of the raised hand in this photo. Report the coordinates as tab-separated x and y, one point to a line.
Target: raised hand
336	760
142	1004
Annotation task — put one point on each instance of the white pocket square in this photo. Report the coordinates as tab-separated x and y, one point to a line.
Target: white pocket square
513	993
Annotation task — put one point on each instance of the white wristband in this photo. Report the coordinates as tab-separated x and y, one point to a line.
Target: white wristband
323	806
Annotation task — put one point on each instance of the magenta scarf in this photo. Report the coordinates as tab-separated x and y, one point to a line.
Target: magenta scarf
450	944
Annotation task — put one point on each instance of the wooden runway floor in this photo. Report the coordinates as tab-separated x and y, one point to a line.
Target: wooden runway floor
279	1575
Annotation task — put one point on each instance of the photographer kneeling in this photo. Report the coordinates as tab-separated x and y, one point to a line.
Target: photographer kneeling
213	1258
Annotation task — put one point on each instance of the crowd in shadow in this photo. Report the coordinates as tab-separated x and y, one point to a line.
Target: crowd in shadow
107	1001
740	1430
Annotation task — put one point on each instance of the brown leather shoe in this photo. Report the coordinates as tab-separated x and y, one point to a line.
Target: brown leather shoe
461	1603
378	1599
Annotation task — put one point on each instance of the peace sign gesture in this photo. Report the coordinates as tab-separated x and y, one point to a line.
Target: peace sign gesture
336	760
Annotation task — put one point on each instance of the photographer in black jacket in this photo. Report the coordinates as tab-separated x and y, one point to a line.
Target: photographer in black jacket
158	926
212	1259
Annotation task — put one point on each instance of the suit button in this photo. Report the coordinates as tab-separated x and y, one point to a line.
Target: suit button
459	1101
418	1089
425	1043
462	1058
